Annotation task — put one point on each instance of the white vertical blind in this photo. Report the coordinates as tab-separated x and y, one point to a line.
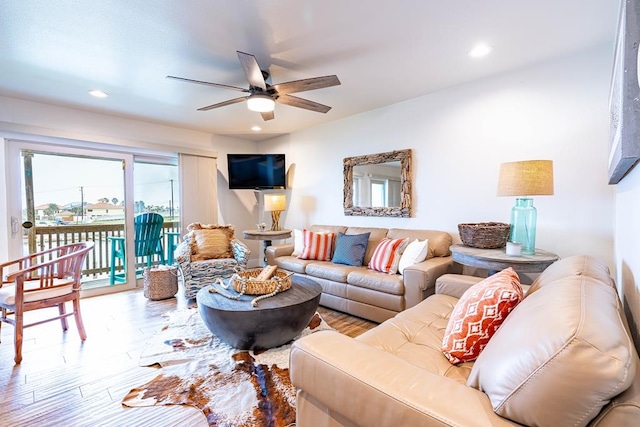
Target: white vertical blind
198	195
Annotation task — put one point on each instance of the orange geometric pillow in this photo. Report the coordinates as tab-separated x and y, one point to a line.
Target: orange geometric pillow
478	315
317	246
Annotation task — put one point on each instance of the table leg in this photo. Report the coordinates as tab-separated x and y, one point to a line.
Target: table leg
172	243
266	244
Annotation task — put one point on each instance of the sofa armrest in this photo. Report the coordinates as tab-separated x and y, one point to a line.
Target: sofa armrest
420	279
368	386
276	251
455	284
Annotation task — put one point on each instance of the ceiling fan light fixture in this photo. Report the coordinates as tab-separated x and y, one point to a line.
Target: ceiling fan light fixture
260	103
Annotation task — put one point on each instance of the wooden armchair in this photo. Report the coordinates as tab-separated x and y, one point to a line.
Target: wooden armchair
45	279
147	243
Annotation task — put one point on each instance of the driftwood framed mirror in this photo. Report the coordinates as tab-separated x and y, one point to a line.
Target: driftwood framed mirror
378	184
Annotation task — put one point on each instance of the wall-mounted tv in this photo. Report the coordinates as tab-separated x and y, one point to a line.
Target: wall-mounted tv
256	171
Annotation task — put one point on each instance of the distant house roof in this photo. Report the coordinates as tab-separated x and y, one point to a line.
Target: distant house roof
46	206
104	206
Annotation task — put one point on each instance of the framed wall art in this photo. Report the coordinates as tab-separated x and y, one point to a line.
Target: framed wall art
624	100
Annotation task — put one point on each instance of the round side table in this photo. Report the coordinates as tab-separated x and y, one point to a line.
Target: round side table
266	236
495	260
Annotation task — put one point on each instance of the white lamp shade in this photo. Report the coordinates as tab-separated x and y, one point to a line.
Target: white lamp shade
260	103
275	202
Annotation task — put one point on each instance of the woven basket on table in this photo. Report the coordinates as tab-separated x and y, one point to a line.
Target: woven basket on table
280	281
484	235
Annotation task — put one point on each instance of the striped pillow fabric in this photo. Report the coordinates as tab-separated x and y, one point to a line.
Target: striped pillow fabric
317	246
387	254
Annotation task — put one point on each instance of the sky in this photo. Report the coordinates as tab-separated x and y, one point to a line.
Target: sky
59	179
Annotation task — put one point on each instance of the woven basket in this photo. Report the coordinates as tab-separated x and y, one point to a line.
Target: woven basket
244	282
484	235
160	283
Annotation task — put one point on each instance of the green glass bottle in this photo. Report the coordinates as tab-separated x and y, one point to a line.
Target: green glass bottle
523	225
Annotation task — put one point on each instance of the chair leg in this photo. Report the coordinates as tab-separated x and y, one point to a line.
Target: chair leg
112	269
62	310
78	317
17	337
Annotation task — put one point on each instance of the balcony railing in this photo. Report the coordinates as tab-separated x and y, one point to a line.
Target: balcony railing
98	260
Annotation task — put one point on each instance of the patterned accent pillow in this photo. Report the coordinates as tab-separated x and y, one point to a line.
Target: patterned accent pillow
478	314
317	246
387	254
350	249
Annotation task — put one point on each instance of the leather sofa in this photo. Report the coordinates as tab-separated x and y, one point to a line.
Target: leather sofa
366	293
563	356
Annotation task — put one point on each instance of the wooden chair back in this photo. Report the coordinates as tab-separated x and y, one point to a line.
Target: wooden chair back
148	234
44	279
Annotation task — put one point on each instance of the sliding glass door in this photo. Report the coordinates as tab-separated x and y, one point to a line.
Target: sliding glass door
63	195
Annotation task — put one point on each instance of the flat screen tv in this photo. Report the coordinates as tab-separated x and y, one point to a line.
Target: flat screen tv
256	171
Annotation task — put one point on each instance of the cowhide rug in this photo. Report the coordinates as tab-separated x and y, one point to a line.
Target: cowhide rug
231	387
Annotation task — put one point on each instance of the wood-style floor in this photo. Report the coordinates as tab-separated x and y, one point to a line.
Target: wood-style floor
64	382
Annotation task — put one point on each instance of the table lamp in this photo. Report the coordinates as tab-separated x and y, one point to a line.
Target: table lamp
275	203
524	179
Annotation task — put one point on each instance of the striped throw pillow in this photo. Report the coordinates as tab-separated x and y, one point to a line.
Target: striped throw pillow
317	246
387	254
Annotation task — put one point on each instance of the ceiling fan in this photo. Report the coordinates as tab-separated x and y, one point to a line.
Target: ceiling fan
263	96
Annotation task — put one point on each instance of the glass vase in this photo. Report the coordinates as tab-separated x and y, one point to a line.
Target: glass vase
523	225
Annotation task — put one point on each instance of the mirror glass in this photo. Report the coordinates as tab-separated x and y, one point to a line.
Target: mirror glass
378	184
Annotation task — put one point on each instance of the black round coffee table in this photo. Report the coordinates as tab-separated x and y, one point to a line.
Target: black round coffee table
275	321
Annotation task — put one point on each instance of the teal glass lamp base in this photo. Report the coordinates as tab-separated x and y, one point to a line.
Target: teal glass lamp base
523	225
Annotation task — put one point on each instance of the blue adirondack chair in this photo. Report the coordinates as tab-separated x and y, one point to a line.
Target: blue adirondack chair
148	242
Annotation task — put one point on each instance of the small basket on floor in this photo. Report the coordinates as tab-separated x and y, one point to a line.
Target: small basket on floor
160	282
484	235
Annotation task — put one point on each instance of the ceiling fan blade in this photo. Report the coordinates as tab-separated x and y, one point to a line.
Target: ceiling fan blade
209	84
306	84
223	104
294	101
268	116
252	70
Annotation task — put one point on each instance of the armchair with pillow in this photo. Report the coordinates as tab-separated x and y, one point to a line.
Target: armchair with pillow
209	252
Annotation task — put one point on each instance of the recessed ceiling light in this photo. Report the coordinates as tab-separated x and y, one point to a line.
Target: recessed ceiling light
480	50
98	93
256	128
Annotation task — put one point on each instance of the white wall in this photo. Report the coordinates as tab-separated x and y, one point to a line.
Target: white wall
459	136
627	238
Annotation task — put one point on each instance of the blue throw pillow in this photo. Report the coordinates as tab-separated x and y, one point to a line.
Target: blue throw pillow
350	249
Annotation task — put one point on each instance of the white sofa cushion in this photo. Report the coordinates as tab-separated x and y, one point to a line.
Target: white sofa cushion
414	253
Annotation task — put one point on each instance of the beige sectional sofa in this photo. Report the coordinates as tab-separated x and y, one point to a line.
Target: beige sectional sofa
562	357
364	292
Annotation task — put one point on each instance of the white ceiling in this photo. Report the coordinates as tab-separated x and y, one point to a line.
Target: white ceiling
382	51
